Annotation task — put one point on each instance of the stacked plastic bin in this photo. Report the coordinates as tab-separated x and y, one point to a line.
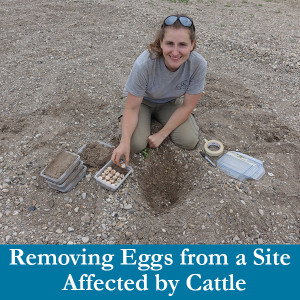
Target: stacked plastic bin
70	178
241	166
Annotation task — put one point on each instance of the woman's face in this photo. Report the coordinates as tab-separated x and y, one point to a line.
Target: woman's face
176	47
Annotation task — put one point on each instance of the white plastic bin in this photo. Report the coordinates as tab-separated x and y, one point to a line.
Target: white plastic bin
106	185
241	166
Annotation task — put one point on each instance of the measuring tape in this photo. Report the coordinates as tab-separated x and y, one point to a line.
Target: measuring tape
215	143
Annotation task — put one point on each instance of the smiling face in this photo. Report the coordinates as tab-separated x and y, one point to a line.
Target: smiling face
176	47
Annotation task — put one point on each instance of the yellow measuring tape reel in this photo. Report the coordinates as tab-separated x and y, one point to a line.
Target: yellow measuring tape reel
215	143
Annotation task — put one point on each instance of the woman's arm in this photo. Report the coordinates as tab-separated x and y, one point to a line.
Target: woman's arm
178	117
129	122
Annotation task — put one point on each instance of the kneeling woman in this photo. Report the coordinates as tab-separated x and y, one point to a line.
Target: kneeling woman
167	70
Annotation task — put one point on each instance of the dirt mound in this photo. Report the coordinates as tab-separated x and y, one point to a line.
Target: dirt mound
64	65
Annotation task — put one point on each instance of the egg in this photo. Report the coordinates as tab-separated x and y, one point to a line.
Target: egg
109	169
117	174
123	166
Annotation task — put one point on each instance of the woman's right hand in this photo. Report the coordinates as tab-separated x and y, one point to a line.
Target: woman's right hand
123	150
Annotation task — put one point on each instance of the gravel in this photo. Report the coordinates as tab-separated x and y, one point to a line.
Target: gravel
63	68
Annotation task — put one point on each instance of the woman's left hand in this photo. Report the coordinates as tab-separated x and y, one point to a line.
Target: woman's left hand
155	140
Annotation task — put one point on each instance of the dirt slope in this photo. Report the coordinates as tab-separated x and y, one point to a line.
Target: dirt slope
62	71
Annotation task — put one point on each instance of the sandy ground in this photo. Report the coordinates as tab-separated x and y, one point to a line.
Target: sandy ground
63	65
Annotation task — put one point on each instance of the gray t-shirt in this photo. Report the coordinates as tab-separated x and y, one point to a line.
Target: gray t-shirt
150	78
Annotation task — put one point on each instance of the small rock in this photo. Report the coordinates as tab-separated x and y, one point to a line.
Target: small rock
59	231
128	206
70	229
83	195
76	209
260	241
163	230
128	234
86	219
261	211
32	208
5	185
85	239
88	177
104	236
271	174
236	238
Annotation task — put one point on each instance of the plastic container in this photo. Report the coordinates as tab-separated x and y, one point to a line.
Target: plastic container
241	166
70	184
106	185
69	179
65	175
100	142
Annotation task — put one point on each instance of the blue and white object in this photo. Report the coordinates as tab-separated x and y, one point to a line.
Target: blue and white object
241	166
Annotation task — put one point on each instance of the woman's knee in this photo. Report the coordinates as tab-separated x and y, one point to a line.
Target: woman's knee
187	134
187	142
137	145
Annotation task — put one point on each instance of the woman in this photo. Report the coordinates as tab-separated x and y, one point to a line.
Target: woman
168	69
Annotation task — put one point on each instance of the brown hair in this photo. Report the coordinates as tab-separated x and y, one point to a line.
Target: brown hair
155	48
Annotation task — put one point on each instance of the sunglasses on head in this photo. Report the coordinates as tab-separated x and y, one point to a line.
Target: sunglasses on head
184	21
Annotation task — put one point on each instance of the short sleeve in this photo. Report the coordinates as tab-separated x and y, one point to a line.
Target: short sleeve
197	80
137	81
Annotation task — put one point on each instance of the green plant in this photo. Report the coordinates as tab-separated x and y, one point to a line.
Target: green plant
145	152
